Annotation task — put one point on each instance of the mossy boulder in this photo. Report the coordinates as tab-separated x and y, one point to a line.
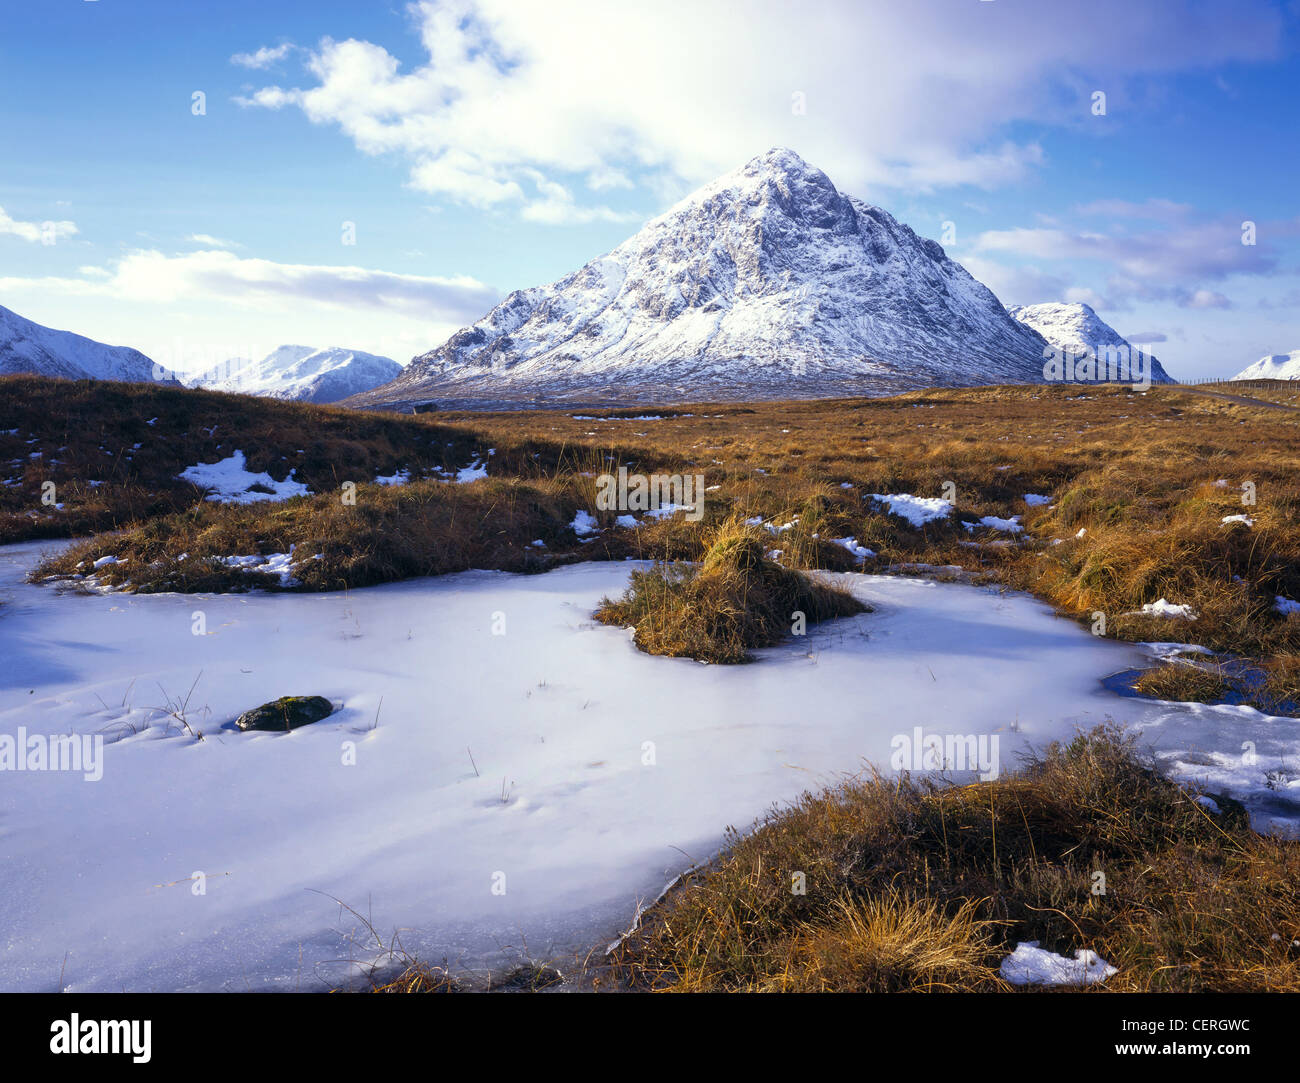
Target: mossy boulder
286	713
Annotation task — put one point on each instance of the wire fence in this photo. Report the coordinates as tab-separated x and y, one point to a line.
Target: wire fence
1234	383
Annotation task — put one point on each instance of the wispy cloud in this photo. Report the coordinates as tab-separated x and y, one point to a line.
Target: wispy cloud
36	232
263	57
210	241
1174	262
222	278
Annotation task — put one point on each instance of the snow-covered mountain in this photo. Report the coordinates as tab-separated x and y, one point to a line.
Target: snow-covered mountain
30	347
1077	328
303	373
1278	366
768	282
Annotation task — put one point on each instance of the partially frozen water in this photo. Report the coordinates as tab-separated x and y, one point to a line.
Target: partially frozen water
521	792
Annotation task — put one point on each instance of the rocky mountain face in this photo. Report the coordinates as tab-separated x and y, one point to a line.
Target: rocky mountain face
769	282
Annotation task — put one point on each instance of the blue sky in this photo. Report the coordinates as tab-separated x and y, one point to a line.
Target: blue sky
482	146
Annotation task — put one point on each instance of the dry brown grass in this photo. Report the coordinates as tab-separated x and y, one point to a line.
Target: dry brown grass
911	885
1139	474
1184	682
737	600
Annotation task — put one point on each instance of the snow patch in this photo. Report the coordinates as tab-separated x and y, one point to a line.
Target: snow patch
917	510
1031	965
230	481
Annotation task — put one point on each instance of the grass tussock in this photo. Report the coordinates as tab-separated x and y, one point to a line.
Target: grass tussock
1184	682
736	600
909	885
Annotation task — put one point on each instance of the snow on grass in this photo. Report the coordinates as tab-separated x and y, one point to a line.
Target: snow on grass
584	523
1008	526
1235	751
666	510
277	564
917	510
400	477
1031	965
771	527
851	544
231	482
1285	606
1034	500
1246	519
476	471
1162	608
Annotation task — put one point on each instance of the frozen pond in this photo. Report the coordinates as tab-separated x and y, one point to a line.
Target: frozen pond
519	789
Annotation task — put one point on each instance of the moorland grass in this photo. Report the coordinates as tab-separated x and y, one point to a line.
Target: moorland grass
736	600
1184	682
1137	486
911	885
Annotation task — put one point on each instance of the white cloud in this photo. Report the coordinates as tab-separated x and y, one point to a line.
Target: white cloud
1085	295
916	95
210	241
1207	299
1170	262
555	206
192	311
220	278
263	58
1015	285
36	232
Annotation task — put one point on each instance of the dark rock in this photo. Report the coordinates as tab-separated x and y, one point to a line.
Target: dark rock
286	713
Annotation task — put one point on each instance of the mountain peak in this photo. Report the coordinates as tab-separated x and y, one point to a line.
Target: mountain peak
779	160
306	373
1074	326
1277	366
766	282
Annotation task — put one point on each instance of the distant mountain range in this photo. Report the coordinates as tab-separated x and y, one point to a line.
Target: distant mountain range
302	373
1077	328
29	347
291	372
1278	366
769	282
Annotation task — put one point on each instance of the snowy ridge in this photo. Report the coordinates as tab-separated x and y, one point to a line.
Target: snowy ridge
768	281
1278	366
30	347
301	373
1077	328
